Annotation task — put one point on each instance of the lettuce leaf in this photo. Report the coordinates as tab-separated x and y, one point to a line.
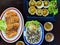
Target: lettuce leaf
3	25
53	7
33	22
55	11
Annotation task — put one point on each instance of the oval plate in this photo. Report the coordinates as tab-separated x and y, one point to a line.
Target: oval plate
41	39
20	29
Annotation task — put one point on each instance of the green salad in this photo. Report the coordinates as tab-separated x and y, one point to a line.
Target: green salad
53	7
3	25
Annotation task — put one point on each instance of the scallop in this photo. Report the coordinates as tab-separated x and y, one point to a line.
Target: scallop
32	10
32	3
45	12
46	4
39	4
39	12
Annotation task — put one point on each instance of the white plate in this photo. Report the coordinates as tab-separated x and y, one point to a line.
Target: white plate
20	29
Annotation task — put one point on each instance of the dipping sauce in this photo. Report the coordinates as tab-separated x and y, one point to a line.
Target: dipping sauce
49	37
20	43
48	26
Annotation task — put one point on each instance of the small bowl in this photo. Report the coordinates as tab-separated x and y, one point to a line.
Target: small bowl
48	28
49	35
20	42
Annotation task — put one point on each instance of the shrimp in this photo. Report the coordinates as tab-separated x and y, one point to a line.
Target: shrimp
13	33
11	13
12	22
16	19
16	25
9	26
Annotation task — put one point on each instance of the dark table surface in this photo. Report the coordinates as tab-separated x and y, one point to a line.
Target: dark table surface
19	5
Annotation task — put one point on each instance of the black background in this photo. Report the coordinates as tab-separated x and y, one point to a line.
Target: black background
19	5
